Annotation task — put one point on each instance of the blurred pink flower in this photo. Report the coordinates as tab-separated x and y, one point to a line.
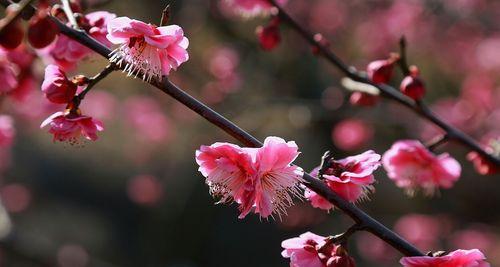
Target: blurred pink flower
457	258
223	62
7	130
15	197
56	86
96	25
147	119
269	36
421	230
412	166
145	190
351	178
100	104
482	165
68	126
146	49
474	237
261	178
67	53
374	249
251	8
351	134
8	76
380	71
308	250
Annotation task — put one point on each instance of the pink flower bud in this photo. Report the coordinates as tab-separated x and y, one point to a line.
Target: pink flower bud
57	88
340	259
380	71
412	85
42	30
363	99
269	36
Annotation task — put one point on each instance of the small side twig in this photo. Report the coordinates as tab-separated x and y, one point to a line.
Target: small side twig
437	141
69	14
93	81
165	16
23	5
342	238
403	61
325	163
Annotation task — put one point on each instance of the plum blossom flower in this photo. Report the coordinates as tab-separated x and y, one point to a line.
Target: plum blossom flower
351	178
70	126
457	258
8	80
146	49
252	8
56	86
309	250
412	166
260	178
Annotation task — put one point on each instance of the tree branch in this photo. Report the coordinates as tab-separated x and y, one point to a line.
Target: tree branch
69	14
371	225
386	91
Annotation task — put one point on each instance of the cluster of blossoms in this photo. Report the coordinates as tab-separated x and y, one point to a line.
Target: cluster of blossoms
351	178
262	178
252	8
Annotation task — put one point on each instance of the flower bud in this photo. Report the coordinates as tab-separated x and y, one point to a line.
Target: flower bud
42	30
269	36
482	165
12	35
363	99
340	258
57	88
412	85
380	71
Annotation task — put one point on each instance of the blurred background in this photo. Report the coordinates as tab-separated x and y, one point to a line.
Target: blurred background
135	197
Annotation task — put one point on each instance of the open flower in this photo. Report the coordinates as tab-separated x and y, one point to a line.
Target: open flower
351	178
71	126
412	166
457	258
252	8
56	87
146	49
261	179
309	250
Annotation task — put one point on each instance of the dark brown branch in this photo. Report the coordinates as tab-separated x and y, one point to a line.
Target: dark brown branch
387	91
436	142
96	79
23	5
165	16
403	62
244	137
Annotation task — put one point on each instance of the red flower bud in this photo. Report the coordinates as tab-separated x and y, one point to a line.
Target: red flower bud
12	36
269	36
363	99
380	71
482	165
340	258
412	85
56	86
42	30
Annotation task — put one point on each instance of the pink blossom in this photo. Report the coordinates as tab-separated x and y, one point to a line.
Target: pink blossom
457	258
412	166
276	178
147	50
421	230
260	178
7	130
251	8
351	178
8	76
351	134
309	250
145	190
70	126
56	86
66	52
147	119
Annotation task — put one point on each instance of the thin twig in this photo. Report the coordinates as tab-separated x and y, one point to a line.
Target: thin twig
436	142
360	217
23	5
96	79
165	16
403	62
342	238
387	91
69	14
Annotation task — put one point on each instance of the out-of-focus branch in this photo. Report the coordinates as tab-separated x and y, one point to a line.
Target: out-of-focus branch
386	91
361	218
23	5
69	14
